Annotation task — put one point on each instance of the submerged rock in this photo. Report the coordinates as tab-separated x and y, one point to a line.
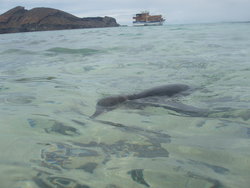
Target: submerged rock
62	129
48	180
19	19
137	176
89	167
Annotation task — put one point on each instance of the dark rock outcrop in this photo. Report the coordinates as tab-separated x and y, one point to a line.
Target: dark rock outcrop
19	19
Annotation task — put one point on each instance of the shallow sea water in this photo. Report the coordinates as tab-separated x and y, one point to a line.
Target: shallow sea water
50	83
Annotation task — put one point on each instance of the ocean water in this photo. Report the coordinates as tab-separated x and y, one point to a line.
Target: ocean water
50	83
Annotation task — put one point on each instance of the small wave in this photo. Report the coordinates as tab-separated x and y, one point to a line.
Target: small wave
36	79
81	51
18	51
17	99
37	42
2	88
178	29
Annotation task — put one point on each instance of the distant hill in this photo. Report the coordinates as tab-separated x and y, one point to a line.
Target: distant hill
19	19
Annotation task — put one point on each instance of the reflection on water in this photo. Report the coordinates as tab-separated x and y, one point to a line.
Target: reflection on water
50	83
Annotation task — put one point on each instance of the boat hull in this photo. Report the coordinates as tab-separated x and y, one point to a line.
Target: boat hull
147	23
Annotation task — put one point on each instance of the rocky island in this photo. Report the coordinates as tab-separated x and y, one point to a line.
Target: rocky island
19	19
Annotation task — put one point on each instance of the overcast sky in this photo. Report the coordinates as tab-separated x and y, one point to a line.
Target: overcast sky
174	11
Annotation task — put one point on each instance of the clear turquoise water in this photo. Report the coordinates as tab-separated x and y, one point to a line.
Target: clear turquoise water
50	83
